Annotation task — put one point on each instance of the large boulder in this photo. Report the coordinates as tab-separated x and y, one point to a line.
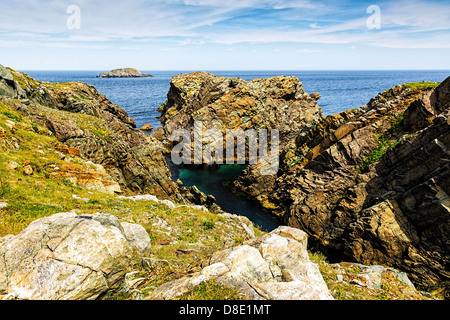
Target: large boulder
274	266
68	257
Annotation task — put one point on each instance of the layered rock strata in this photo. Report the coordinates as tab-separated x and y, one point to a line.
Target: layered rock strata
369	184
227	104
85	120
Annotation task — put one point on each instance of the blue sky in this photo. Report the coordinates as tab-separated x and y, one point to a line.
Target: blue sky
224	35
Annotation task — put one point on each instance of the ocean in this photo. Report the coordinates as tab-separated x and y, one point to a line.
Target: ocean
140	97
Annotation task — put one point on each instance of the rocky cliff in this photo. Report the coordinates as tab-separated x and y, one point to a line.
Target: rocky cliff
372	184
223	104
84	119
369	184
65	234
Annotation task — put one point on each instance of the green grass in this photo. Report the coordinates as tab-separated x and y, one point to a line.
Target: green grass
339	290
385	142
390	287
383	146
208	224
12	116
18	214
211	290
421	85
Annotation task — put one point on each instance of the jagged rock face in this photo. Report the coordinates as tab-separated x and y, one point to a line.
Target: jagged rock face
84	119
224	103
69	257
440	98
364	183
392	209
8	87
275	267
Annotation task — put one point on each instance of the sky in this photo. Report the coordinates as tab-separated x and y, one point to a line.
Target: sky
225	34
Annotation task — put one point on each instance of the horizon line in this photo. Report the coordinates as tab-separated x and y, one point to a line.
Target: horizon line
233	70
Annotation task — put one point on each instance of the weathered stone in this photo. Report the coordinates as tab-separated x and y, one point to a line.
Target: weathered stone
223	104
67	257
28	170
91	126
419	114
147	127
395	211
96	180
275	266
137	236
440	98
8	86
12	165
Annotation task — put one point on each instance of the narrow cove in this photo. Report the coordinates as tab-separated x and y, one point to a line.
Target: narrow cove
218	183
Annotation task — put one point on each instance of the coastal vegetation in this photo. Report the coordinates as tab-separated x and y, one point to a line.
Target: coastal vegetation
423	85
69	155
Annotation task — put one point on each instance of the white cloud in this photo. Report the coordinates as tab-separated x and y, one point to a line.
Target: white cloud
417	14
234	4
307	51
195	22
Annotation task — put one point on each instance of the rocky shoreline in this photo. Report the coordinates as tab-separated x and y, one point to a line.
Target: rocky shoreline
370	185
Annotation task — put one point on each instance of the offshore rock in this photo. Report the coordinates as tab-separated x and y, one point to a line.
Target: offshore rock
68	257
124	73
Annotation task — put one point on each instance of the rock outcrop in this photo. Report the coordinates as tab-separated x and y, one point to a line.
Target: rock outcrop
354	281
124	73
146	127
222	104
8	87
69	257
371	184
275	266
84	119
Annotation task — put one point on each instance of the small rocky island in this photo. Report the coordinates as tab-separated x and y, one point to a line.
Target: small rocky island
124	73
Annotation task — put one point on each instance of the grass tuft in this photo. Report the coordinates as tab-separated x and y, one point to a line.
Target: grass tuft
211	290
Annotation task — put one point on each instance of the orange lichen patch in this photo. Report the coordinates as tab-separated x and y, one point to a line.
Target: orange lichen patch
87	179
66	150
